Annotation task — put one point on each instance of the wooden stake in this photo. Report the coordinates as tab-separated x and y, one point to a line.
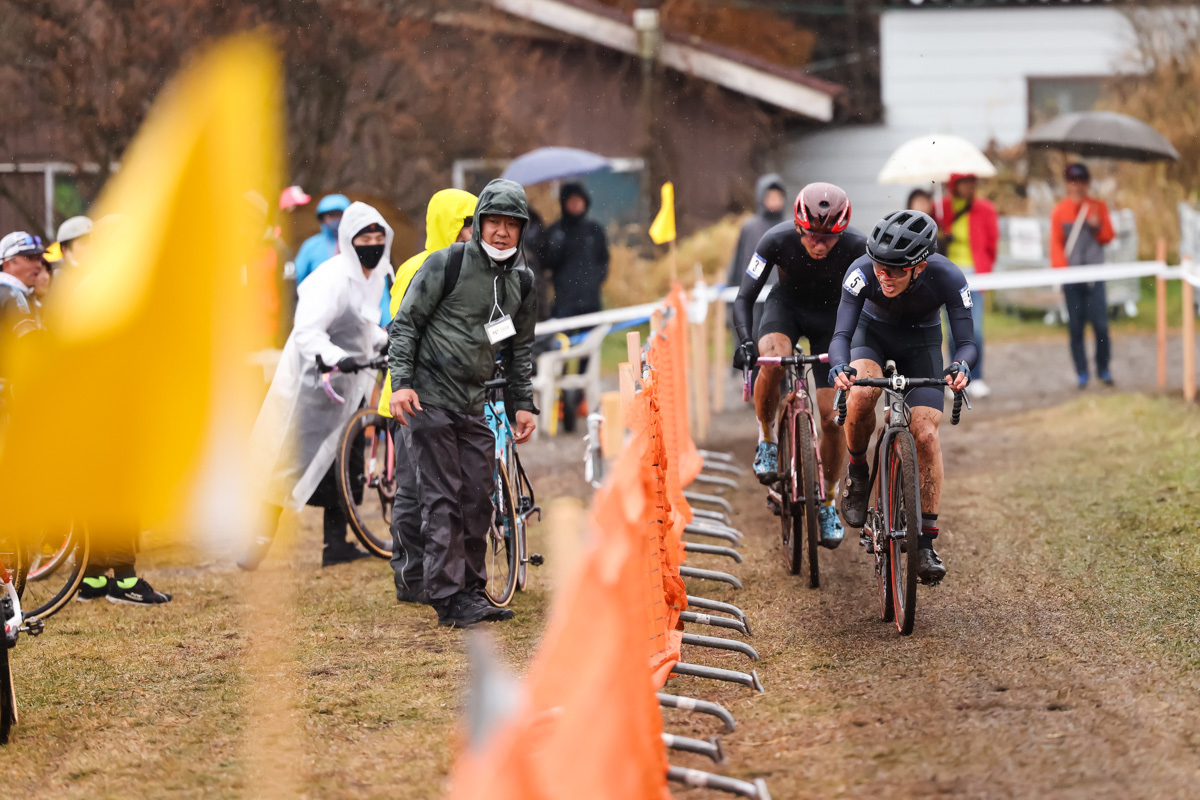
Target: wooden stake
1160	319
633	349
719	366
1189	337
612	438
673	265
656	322
628	386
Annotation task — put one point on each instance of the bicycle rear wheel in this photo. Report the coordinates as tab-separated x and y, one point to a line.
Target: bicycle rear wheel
790	526
903	517
57	561
503	552
366	481
806	449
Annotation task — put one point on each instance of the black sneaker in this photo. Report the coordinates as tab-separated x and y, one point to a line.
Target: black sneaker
460	612
479	597
419	598
856	492
344	554
138	594
930	569
87	592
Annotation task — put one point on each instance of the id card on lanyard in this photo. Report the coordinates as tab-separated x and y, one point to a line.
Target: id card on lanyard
499	327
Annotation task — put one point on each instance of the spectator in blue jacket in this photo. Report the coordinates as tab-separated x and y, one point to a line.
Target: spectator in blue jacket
320	247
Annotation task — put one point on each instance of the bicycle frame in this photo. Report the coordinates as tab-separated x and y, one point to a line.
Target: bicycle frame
798	406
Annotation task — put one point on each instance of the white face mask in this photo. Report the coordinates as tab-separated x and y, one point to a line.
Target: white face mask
498	255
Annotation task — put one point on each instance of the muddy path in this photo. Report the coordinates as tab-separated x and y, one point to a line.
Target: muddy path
1017	682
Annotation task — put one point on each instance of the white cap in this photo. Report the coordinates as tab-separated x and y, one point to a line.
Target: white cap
20	243
73	228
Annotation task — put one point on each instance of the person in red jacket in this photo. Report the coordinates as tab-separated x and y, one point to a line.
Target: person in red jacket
1079	229
970	232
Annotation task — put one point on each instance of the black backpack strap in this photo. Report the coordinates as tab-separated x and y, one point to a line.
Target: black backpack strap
526	278
453	268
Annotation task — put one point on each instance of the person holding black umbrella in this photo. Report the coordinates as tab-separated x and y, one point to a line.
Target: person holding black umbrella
1079	229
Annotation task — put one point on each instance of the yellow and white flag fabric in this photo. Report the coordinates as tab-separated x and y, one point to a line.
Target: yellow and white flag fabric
117	408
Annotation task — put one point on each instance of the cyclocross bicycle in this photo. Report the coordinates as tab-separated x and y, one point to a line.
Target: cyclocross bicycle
55	561
800	491
513	502
366	465
894	518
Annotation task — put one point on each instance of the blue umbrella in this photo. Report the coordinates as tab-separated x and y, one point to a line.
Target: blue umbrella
554	163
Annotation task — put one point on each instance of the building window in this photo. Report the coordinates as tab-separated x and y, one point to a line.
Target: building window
1049	97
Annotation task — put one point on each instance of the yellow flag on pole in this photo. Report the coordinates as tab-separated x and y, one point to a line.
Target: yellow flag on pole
662	230
140	376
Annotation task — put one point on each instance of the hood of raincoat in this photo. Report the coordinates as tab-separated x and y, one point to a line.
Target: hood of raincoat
499	197
444	217
443	220
356	217
765	184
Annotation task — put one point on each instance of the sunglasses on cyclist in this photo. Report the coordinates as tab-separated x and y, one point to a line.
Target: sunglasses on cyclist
822	238
892	272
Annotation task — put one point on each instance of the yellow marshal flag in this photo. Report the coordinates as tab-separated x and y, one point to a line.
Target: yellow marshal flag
662	230
140	377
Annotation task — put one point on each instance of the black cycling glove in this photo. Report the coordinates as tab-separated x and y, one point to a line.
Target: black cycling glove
347	364
748	350
957	367
839	369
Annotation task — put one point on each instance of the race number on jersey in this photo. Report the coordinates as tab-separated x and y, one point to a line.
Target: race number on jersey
757	265
855	282
965	294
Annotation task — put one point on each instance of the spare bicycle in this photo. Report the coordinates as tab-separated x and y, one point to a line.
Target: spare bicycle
513	502
800	491
894	518
366	465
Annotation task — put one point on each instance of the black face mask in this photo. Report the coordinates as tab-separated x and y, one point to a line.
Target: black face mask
369	254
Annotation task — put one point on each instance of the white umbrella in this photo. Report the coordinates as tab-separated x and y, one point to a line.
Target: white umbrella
933	159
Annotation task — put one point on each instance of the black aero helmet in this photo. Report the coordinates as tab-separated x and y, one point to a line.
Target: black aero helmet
902	239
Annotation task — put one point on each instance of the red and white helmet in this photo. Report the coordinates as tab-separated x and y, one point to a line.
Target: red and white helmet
822	208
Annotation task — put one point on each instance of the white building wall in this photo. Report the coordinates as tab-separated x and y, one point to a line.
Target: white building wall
962	71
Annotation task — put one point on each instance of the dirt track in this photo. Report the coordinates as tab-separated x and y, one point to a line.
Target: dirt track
1022	678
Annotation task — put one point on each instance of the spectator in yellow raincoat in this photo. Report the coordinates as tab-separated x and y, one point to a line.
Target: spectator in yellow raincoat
447	220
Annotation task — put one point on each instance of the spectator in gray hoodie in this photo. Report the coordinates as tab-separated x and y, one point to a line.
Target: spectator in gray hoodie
772	197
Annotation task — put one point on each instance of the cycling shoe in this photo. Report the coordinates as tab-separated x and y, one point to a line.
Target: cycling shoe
831	527
930	569
856	492
766	463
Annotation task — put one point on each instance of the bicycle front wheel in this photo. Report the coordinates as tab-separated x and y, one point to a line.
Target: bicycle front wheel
503	552
791	527
366	480
806	460
57	561
903	526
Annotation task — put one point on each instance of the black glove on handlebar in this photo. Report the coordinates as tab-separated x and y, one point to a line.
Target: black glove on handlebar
957	367
347	364
838	369
748	351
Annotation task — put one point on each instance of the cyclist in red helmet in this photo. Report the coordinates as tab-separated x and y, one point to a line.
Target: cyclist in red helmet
812	253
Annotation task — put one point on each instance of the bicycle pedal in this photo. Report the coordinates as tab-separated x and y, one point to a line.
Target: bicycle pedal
537	559
33	626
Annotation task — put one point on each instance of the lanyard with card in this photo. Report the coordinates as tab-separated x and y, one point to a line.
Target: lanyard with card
499	328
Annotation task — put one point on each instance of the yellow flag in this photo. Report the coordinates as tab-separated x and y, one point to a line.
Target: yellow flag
140	376
662	230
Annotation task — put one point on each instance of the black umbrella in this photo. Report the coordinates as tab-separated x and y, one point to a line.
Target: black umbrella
1103	134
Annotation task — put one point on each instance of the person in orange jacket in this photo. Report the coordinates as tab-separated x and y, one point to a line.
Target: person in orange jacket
1079	229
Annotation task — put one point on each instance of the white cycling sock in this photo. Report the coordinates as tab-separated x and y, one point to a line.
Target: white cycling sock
766	431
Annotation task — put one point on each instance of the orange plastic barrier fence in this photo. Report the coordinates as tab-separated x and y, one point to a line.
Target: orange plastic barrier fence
589	726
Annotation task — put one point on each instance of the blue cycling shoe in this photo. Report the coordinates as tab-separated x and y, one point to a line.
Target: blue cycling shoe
1082	380
1106	378
831	527
766	463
